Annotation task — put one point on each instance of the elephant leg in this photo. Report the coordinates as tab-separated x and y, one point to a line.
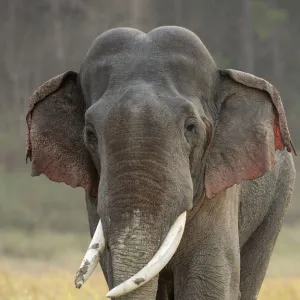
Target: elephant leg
213	278
207	263
257	251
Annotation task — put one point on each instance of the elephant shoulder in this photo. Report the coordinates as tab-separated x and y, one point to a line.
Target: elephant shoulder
282	176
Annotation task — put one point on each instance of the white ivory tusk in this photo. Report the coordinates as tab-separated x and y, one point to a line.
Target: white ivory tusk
91	257
157	263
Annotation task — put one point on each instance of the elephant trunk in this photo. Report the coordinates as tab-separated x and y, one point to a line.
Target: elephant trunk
139	204
140	199
130	253
157	263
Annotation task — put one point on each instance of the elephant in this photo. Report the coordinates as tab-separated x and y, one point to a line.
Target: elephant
187	168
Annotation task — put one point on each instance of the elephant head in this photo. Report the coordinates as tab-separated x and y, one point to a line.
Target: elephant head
150	127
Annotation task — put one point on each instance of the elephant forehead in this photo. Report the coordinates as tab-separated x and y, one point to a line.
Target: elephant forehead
180	40
171	39
168	49
173	58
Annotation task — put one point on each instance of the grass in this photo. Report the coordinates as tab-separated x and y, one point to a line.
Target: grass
51	283
52	247
280	289
67	249
41	265
31	203
44	234
55	284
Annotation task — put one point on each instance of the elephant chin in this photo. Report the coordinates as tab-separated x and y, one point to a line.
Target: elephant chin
155	265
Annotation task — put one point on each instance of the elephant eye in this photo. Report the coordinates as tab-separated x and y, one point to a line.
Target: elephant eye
191	128
90	136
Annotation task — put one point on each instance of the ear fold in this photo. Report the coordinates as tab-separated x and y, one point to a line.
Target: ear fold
55	144
251	126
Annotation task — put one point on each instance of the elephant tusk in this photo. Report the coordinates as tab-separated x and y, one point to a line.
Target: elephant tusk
157	263
91	257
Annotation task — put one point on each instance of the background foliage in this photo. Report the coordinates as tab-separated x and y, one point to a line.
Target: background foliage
44	38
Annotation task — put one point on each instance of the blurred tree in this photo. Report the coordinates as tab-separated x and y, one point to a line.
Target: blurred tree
42	38
141	14
178	10
246	56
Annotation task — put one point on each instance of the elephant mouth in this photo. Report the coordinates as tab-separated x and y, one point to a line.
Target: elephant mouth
155	265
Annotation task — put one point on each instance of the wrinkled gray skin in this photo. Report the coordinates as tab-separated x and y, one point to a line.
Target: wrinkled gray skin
141	94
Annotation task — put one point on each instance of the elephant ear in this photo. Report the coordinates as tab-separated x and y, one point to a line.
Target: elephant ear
251	125
55	143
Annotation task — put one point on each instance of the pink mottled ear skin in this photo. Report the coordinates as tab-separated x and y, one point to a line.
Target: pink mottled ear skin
55	134
251	126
